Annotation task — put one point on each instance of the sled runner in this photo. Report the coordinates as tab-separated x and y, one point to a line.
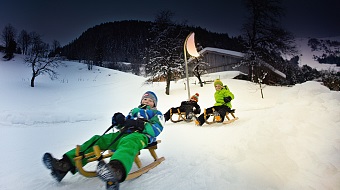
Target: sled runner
216	118
98	155
181	116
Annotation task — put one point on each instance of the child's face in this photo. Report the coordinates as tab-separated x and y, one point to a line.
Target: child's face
148	102
218	87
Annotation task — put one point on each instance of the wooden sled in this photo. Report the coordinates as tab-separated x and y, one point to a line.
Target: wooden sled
218	119
97	155
181	116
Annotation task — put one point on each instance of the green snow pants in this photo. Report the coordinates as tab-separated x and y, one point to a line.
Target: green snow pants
126	148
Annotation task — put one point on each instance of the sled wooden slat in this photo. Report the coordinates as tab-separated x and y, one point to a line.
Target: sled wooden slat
97	153
214	120
144	169
230	121
181	116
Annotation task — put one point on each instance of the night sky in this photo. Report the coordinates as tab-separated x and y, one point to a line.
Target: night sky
65	20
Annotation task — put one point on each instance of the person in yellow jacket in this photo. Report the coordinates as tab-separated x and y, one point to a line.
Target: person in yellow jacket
223	97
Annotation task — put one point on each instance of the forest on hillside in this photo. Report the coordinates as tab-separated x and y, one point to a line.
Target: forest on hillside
330	51
127	41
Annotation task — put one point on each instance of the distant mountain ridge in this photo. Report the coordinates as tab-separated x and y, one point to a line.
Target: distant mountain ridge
124	40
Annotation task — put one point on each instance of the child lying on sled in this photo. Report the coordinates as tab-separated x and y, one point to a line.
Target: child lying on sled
141	127
190	108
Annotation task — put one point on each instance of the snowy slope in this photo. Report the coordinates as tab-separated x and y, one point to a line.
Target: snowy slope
288	140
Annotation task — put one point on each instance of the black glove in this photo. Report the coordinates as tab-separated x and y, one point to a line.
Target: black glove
136	125
197	111
142	106
227	99
118	119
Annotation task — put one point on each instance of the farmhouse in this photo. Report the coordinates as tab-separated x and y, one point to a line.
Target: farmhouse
226	60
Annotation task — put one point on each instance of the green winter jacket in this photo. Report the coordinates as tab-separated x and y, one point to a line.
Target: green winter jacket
221	94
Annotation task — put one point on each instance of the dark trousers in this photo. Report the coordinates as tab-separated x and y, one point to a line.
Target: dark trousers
222	110
175	110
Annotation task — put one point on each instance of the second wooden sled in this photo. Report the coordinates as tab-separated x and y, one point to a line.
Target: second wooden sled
181	116
217	118
98	154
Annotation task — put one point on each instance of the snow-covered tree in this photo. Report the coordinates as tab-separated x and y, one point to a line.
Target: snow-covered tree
330	51
331	79
165	54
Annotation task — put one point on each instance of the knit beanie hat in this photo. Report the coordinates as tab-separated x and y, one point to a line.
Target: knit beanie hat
195	97
150	95
217	81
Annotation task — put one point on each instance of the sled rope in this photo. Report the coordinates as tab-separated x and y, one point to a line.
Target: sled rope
94	142
122	131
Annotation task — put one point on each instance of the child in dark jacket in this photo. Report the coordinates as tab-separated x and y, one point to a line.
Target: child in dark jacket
223	98
190	108
141	127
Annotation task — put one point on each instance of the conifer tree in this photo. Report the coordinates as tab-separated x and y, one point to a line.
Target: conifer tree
165	53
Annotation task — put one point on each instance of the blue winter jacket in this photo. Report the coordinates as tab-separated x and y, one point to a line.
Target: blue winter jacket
153	118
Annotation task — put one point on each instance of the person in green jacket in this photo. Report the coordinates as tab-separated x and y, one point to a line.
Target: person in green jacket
138	129
223	98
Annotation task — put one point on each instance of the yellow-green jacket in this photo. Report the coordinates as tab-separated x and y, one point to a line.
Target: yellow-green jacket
221	94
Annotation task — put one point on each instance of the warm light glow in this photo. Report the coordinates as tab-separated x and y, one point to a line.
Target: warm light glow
191	48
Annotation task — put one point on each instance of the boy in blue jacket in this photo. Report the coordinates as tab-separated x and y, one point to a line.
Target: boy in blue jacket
143	125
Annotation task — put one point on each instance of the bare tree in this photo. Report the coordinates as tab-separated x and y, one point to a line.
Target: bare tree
55	47
8	37
39	61
199	69
8	34
24	41
264	38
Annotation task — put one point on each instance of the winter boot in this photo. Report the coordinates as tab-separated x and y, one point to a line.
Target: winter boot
217	116
112	173
189	116
197	123
59	168
167	115
200	120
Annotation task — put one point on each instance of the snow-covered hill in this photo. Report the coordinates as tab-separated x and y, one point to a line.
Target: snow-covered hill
288	140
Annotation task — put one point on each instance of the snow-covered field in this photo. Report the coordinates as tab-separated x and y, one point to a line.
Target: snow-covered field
288	140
